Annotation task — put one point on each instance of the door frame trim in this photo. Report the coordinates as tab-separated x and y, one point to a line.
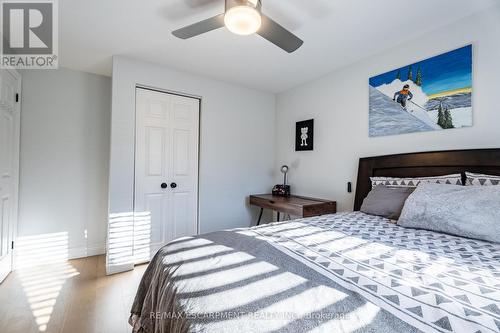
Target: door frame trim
176	93
17	166
171	92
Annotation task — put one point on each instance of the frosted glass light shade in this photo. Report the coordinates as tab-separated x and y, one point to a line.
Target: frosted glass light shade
243	20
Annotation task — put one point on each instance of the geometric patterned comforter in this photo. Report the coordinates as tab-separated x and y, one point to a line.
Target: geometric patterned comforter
433	281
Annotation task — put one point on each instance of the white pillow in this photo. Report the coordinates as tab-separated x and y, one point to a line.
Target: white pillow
454	179
479	179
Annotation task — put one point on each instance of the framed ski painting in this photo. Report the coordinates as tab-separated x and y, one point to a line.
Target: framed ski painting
430	95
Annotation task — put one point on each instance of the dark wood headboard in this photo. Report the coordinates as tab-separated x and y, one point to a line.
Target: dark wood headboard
424	164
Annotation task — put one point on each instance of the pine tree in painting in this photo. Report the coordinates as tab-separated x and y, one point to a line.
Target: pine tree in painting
448	120
441	119
410	73
445	119
418	79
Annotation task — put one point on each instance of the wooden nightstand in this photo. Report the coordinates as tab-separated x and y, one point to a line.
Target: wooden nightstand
293	205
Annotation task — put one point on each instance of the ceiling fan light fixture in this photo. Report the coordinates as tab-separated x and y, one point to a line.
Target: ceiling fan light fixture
243	20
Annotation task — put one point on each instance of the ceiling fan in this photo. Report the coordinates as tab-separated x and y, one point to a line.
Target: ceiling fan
244	17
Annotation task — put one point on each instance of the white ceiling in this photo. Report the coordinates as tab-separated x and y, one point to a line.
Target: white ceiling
336	33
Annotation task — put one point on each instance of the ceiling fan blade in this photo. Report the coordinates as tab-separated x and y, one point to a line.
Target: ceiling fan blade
278	35
201	27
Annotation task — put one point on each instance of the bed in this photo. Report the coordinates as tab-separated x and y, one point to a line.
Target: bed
347	272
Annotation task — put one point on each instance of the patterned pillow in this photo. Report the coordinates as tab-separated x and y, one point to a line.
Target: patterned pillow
454	179
475	179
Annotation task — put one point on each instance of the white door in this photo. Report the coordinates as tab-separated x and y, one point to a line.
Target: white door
166	170
10	85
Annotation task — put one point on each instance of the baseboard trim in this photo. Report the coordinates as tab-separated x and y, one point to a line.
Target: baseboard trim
72	253
83	252
115	269
96	250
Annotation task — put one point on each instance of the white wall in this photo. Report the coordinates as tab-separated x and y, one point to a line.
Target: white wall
339	104
65	122
236	141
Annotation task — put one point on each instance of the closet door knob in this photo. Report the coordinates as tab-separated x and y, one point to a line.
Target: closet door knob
164	185
173	185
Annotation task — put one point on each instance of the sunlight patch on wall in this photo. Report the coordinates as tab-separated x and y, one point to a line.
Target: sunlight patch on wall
41	249
120	239
142	237
129	238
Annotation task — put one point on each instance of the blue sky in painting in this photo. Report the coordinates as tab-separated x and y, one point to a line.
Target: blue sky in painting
449	71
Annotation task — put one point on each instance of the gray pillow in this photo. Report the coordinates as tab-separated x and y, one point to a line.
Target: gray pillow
386	201
467	211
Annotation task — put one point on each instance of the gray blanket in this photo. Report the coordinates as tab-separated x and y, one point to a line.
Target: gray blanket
337	273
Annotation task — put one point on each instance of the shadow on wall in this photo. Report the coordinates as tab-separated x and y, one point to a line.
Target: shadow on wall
42	264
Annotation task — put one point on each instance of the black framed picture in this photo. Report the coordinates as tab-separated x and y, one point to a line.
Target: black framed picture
304	135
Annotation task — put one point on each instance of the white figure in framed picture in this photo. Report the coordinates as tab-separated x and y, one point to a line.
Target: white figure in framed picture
304	135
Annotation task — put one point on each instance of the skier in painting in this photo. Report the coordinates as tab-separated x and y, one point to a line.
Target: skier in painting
403	96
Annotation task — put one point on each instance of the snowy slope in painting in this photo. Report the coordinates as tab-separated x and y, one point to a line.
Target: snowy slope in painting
417	103
460	106
462	117
388	118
